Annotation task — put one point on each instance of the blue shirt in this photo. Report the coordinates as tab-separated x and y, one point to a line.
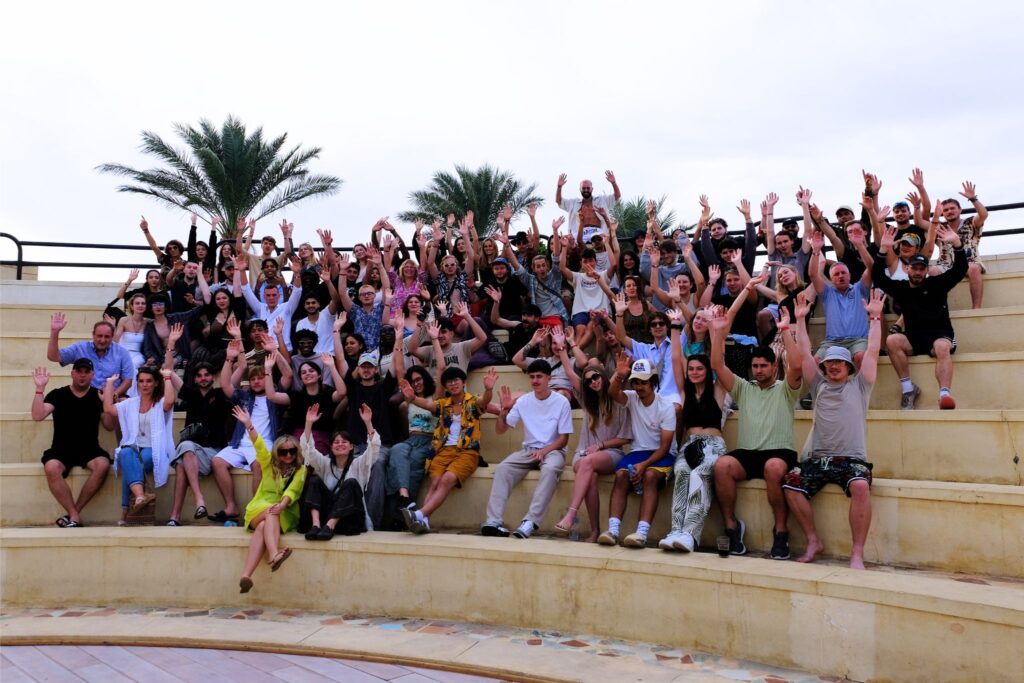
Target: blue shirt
116	361
661	359
845	317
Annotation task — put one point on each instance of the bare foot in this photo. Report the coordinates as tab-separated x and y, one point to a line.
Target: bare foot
856	562
813	548
592	538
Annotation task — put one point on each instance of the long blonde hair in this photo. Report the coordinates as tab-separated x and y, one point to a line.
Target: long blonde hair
275	456
798	282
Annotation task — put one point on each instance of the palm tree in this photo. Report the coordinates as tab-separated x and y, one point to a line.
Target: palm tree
484	191
632	216
226	173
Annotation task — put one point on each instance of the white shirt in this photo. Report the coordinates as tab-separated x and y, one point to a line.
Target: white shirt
455	431
543	421
649	421
284	309
572	207
324	328
261	423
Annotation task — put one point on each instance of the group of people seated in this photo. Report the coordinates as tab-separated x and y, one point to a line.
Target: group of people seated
342	385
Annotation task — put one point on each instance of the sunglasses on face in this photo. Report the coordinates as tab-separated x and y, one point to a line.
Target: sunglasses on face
593	378
288	451
657	323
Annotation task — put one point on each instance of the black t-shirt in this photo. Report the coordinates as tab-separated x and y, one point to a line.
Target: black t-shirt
178	291
76	421
377	396
746	319
301	401
513	293
212	411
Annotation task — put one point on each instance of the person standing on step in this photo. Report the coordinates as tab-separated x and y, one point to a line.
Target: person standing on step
765	448
838	449
924	302
547	423
649	462
77	411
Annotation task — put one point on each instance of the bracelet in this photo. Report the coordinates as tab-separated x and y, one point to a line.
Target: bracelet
39	393
675	327
973	199
878	318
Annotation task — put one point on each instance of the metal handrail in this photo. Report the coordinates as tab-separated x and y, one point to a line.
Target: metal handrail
20	263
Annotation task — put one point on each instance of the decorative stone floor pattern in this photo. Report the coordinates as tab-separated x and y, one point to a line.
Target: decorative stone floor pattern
68	663
673	659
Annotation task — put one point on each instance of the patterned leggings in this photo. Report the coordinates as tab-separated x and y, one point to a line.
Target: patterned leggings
691	498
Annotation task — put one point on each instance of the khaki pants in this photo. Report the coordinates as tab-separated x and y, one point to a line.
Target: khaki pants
512	470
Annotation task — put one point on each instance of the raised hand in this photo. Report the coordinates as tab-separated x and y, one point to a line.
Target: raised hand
234	349
177	330
58	321
241	262
460	309
655	257
871	182
144	224
737	257
948	235
339	321
882	213
675	316
113	379
758	279
433	330
40	377
771	200
442	307
313	413
109	319
570	335
407	391
704	205
343	260
610	177
622	364
166	373
888	238
531	209
269	343
803	196
673	290
916	178
969	192
491	378
278	327
876	304
493	293
620	304
505	398
562	178
134	273
215	223
538	336
801	308
783	323
242	415
714	274
556	224
233	328
365	414
817	241
720	321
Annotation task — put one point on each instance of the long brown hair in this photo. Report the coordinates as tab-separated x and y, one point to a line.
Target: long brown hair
596	403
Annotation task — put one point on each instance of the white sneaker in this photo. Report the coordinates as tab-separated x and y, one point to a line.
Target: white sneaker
635	540
525	529
668	543
684	541
608	538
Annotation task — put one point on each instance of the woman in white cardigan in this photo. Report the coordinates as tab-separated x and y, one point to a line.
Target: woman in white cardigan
147	441
332	501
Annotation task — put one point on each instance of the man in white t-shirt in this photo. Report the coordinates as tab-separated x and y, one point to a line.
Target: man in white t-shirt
590	290
321	321
547	424
587	207
649	463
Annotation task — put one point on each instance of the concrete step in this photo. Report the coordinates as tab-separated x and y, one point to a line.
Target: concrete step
34	319
29	350
1001	289
956	527
920	445
883	624
983	330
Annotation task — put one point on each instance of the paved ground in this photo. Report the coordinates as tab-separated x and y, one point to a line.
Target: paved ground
69	663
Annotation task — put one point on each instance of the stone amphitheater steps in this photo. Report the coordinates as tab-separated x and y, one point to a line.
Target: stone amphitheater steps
979	446
955	527
886	625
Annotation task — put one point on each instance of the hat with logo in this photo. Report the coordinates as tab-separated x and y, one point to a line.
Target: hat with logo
643	370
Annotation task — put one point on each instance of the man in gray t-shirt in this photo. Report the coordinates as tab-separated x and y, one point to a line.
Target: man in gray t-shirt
838	449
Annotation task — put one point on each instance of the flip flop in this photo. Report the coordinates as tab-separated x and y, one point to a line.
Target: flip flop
221	517
62	522
200	512
279	559
141	502
244	584
72	524
173	522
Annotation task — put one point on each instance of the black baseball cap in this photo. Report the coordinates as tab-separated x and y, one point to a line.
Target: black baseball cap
82	364
918	260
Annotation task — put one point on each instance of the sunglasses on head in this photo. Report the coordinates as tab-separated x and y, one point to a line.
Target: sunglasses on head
291	450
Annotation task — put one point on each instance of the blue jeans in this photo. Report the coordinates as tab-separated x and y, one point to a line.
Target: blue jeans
133	470
406	464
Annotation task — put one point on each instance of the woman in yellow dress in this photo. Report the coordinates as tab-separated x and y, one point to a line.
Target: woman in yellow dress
274	509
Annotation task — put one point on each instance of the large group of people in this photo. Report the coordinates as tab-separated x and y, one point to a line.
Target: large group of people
339	378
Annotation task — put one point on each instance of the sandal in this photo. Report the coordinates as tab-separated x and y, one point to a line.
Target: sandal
221	517
72	524
279	559
142	501
173	522
565	529
62	522
244	584
200	512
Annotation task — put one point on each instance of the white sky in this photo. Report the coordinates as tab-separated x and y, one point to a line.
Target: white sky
733	99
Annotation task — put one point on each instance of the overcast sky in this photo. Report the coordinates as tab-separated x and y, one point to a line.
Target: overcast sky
729	99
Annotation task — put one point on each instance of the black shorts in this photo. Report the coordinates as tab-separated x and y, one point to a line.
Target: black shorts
80	458
754	461
922	341
812	474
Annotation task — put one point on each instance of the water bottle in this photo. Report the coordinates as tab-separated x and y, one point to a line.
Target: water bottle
230	523
574	532
638	488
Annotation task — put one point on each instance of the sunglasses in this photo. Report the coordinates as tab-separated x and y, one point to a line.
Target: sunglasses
288	451
657	323
593	378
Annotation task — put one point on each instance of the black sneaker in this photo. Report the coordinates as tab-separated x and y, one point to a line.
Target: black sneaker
312	533
494	530
780	546
736	546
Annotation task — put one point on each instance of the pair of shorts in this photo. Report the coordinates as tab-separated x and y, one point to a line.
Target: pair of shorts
204	455
241	457
580	318
753	462
812	474
851	344
77	459
461	463
923	341
664	465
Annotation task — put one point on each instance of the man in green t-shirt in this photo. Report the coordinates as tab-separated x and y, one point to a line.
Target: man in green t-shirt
765	447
